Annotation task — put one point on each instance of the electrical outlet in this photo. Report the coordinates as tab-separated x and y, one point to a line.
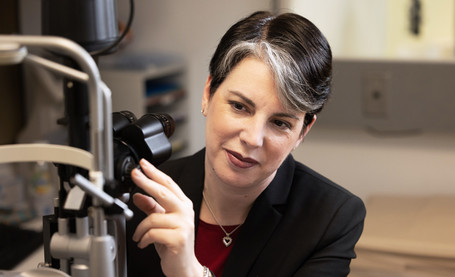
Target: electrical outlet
375	95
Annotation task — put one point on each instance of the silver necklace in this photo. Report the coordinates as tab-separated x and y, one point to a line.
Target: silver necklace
227	240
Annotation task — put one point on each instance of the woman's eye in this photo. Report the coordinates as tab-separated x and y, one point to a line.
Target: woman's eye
282	124
237	106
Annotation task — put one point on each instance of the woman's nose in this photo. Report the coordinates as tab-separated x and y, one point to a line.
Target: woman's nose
253	133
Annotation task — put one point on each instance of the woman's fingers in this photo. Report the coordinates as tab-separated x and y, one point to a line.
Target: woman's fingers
158	176
147	204
170	215
155	221
169	239
165	198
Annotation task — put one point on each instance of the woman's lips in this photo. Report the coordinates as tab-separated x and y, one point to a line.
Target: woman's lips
239	161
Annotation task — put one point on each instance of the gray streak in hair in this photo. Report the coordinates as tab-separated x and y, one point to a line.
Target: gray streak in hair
288	78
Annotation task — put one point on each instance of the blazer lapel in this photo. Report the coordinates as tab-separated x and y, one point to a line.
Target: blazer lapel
252	238
260	224
191	181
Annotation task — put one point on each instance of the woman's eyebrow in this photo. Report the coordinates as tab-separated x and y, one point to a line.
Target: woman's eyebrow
244	98
289	115
251	103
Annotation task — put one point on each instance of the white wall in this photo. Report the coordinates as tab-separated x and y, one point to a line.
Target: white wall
352	27
380	28
437	33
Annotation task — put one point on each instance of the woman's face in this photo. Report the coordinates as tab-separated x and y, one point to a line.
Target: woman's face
248	131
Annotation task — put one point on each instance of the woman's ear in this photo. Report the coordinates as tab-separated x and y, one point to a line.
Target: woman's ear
308	127
206	96
305	132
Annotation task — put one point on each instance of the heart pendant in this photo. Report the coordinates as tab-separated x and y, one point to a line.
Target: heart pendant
227	241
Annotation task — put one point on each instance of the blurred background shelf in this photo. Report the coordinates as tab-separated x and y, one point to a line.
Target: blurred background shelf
150	83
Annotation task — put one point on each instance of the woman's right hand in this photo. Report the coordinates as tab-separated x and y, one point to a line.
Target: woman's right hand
169	224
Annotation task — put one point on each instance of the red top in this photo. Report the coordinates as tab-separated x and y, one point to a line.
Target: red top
210	249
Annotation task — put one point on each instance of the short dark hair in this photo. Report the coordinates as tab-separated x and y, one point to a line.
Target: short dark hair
295	50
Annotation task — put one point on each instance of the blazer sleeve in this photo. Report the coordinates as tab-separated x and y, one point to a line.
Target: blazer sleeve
335	250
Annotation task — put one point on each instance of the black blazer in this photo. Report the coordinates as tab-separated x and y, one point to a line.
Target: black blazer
301	225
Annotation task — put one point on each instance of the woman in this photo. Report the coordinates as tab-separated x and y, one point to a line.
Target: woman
243	206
